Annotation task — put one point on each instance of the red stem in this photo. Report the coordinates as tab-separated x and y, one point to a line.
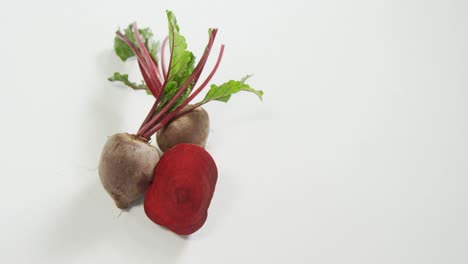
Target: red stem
148	126
213	32
154	89
153	68
190	98
151	113
155	118
208	79
170	68
145	76
181	113
158	72
178	111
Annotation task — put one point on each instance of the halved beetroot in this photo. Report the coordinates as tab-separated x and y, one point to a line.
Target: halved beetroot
183	185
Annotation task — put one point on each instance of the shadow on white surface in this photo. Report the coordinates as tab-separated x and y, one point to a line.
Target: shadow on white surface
88	227
102	115
90	224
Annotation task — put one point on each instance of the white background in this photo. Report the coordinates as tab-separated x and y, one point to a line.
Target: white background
358	154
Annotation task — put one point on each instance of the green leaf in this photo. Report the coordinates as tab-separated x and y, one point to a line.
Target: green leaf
171	89
123	78
224	91
124	51
181	66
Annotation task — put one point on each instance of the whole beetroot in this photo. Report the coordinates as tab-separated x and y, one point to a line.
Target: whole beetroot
126	168
192	127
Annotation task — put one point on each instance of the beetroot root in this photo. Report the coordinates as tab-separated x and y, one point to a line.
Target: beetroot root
192	127
184	183
126	168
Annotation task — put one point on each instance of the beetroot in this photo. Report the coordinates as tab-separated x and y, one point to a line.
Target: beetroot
126	168
183	185
192	127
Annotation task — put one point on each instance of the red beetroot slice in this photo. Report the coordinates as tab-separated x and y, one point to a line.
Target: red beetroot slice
183	185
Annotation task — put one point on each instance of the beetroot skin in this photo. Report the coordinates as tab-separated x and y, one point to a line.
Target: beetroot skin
126	168
183	185
192	127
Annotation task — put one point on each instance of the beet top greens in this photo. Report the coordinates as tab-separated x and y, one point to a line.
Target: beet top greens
174	82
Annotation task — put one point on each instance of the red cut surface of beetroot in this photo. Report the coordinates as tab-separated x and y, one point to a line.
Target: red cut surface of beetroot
183	185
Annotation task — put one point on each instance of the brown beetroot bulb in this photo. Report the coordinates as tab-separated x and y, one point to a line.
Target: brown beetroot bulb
181	192
192	127
126	168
